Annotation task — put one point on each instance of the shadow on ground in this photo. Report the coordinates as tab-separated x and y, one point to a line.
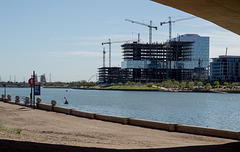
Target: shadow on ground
20	146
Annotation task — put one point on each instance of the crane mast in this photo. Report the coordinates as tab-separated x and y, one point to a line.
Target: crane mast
104	52
150	28
110	45
170	24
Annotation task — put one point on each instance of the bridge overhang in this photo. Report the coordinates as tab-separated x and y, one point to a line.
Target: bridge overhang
225	13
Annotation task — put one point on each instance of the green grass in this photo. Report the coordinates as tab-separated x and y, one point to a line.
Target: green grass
17	131
12	130
140	87
2	128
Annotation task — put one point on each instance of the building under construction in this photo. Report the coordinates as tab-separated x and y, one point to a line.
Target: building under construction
150	63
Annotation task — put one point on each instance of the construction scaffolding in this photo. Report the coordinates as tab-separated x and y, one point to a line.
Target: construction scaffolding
150	63
112	75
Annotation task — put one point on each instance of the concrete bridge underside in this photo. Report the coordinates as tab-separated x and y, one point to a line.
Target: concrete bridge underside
225	13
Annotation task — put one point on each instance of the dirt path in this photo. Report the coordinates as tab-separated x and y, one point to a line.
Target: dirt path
18	124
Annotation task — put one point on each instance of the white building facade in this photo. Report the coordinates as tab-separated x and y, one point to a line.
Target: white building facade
225	68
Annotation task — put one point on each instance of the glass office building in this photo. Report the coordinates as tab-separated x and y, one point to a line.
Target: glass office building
225	68
200	50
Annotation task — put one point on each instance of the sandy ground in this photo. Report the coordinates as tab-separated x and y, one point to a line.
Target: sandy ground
25	129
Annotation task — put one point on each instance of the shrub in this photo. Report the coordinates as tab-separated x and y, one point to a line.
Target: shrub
191	85
149	85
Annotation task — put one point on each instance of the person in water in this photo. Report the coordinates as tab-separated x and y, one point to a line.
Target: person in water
66	102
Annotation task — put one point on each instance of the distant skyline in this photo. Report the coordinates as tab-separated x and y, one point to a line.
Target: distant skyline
63	37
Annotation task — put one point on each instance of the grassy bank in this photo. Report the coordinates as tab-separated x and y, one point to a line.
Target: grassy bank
134	87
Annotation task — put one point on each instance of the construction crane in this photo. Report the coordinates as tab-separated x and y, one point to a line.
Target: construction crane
150	28
170	24
110	43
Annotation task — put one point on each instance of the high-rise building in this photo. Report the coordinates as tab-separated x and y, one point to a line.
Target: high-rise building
43	78
149	63
200	50
225	68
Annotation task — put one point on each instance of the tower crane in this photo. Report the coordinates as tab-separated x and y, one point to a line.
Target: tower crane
150	28
170	24
110	43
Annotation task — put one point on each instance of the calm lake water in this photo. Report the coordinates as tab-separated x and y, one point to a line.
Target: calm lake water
199	109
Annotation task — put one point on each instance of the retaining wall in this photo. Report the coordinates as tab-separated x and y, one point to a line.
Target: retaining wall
149	124
112	118
44	106
61	110
208	131
83	114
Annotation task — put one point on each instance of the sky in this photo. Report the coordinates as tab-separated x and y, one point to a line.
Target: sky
63	38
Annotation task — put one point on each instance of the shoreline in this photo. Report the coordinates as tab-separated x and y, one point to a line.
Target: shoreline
146	90
157	90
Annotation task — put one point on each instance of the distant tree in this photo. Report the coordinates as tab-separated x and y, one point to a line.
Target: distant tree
168	83
112	84
139	83
84	83
128	83
92	84
208	86
235	84
149	85
225	84
120	84
158	85
176	84
183	84
133	83
217	84
191	85
200	84
164	83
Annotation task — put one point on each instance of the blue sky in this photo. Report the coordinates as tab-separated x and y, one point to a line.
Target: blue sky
63	37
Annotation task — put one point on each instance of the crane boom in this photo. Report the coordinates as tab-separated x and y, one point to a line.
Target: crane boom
116	42
148	25
170	24
155	27
183	19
